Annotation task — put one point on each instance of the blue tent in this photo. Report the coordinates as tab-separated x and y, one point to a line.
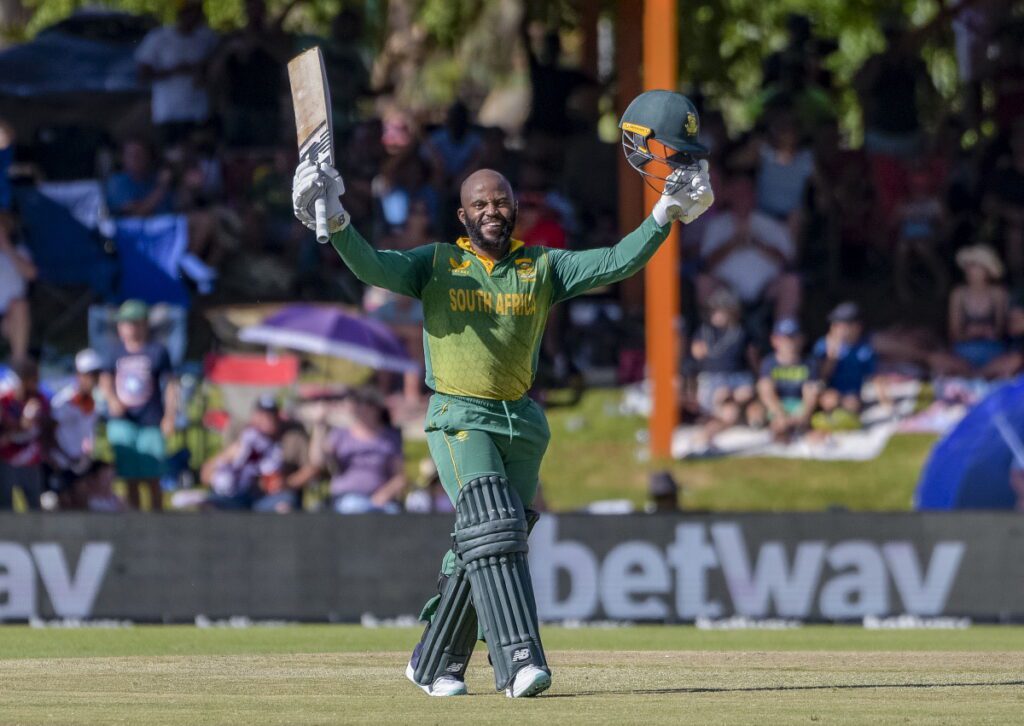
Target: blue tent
970	467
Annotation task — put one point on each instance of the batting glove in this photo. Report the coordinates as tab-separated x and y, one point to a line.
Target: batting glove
684	200
312	182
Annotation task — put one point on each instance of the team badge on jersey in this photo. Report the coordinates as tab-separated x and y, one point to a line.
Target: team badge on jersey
459	268
525	269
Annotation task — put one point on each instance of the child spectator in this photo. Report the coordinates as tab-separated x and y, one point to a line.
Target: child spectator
140	414
788	387
720	350
978	310
365	458
16	271
24	434
845	361
74	415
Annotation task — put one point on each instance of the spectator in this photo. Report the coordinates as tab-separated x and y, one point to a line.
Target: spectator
787	388
16	271
74	416
920	220
536	224
893	87
1004	199
248	474
845	361
784	170
551	85
720	352
24	434
174	59
96	489
429	495
454	149
139	190
978	310
365	458
141	416
749	253
248	71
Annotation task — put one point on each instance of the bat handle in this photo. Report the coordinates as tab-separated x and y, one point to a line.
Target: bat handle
320	207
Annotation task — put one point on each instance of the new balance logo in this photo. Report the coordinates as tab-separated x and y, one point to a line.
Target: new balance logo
520	655
454	668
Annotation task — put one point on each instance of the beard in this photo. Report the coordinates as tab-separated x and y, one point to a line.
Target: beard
498	245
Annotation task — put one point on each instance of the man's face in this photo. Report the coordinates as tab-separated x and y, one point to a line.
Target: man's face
847	332
135	159
265	422
87	381
488	212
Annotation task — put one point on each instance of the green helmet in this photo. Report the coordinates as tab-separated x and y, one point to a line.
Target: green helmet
667	117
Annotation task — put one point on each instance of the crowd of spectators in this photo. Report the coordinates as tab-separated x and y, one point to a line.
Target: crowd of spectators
803	220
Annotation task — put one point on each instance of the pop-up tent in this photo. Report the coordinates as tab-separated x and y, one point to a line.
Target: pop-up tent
970	467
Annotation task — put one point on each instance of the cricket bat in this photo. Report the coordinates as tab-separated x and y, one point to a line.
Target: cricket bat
314	127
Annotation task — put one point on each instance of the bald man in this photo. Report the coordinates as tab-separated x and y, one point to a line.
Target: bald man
486	299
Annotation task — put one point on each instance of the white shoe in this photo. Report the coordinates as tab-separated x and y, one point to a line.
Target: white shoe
443	686
528	681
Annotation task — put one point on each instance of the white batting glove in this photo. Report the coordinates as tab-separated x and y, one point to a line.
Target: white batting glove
312	182
687	202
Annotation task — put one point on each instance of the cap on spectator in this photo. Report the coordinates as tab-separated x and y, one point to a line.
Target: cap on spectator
983	256
267	402
787	327
88	361
845	312
722	299
662	485
132	311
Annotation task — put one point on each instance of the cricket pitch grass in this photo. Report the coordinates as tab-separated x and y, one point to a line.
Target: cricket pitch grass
314	674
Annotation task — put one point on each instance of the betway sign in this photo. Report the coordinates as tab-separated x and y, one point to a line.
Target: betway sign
709	570
26	572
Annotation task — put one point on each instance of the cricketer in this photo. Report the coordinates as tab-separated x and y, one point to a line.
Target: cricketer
486	299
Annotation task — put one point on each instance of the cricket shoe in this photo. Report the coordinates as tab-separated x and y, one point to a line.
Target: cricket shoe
442	686
528	681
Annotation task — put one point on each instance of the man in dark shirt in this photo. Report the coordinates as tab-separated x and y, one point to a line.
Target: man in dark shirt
141	416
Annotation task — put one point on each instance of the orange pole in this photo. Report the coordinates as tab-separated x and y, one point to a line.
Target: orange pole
661	289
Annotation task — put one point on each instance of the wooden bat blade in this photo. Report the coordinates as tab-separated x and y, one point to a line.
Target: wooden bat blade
311	99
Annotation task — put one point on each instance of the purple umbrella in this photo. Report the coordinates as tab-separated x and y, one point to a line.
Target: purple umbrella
326	330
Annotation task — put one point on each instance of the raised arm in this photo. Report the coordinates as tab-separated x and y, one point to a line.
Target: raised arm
576	272
402	272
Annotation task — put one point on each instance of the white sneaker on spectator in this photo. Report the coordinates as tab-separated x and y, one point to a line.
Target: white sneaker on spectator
528	681
443	686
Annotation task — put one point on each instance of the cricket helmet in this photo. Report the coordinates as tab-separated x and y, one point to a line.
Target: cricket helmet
668	119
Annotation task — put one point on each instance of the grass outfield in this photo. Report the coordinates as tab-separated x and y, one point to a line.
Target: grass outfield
651	675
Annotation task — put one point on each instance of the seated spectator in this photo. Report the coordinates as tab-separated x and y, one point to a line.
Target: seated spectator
749	253
784	170
142	397
978	310
248	473
74	416
365	458
845	361
719	350
96	489
1011	363
429	495
787	389
919	219
24	432
16	271
537	224
139	190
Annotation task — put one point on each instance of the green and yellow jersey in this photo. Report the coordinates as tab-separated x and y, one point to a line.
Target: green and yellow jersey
483	320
